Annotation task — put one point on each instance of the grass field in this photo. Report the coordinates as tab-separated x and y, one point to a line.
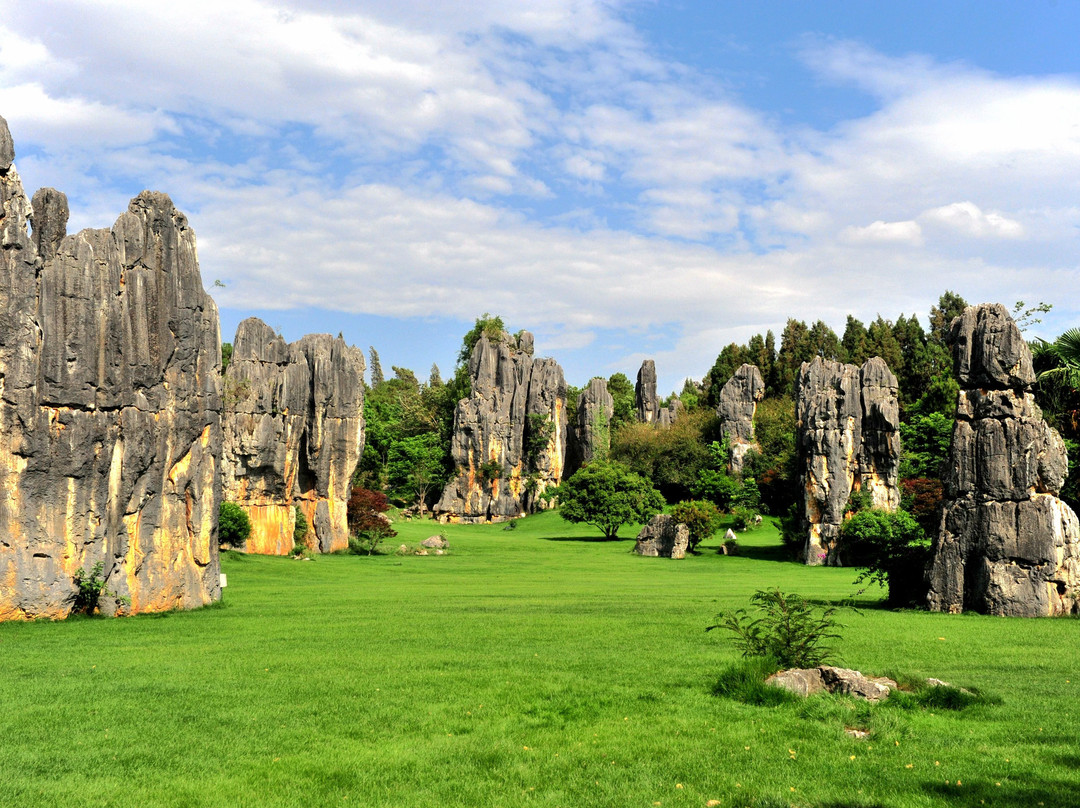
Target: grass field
534	667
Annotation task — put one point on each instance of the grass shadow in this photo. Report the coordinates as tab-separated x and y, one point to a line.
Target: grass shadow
596	539
766	552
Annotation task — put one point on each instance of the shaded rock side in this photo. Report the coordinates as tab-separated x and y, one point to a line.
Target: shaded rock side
510	434
1007	545
739	398
110	428
847	439
663	537
590	435
646	402
294	431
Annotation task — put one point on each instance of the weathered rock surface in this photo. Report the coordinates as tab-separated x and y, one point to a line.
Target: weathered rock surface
294	432
435	543
826	678
590	436
1007	545
663	536
646	401
738	402
50	221
510	434
109	409
847	438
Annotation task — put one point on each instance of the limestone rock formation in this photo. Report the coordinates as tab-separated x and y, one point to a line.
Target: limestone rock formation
738	402
663	537
1007	545
110	427
828	679
294	432
510	434
646	401
590	435
847	438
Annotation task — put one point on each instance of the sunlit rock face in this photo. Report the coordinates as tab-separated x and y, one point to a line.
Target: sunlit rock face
847	436
510	434
1007	545
110	408
294	432
739	398
646	402
590	434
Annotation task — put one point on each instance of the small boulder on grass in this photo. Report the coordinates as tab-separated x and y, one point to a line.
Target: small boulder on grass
826	678
435	543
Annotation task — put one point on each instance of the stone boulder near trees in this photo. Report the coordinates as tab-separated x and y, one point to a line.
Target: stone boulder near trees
739	398
847	439
110	408
1007	545
294	432
663	537
510	434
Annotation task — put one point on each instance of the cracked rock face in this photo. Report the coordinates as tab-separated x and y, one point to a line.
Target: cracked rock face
847	436
645	399
591	433
510	434
663	537
294	432
1007	545
738	403
109	408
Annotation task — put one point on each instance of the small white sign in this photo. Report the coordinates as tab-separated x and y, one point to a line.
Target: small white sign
224	581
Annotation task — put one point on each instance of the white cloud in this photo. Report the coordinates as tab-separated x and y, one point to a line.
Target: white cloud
967	219
880	232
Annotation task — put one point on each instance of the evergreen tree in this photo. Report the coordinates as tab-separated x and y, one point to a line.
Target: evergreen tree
855	343
376	368
949	305
434	377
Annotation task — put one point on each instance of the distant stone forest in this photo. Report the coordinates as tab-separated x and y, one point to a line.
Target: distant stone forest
122	430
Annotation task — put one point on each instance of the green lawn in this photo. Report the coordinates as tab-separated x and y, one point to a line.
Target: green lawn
532	667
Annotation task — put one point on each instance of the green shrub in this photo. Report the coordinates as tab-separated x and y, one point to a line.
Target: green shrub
743	517
785	630
893	549
234	526
701	518
89	589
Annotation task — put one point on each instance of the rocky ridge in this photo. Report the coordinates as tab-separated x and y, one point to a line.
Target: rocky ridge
1007	545
294	432
847	439
110	427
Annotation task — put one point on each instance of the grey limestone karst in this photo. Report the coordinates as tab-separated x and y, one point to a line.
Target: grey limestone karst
847	439
739	398
646	402
110	429
590	434
1007	545
510	435
294	431
663	537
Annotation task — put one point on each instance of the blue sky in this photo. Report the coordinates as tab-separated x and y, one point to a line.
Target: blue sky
628	180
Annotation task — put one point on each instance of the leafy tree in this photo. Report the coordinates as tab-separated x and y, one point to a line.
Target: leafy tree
416	466
949	306
894	550
795	349
855	343
226	355
377	377
368	525
731	358
607	496
1025	316
300	528
882	342
701	518
671	458
622	393
925	440
434	377
234	526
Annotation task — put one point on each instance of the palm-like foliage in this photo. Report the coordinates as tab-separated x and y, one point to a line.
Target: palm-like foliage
1059	360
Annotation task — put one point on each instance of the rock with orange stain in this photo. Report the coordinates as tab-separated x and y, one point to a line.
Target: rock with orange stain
510	434
109	411
739	398
1007	545
294	432
847	439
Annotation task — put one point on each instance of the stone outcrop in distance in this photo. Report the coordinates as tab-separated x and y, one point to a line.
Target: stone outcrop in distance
1007	545
847	439
294	432
110	408
646	402
590	435
663	537
738	402
510	434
